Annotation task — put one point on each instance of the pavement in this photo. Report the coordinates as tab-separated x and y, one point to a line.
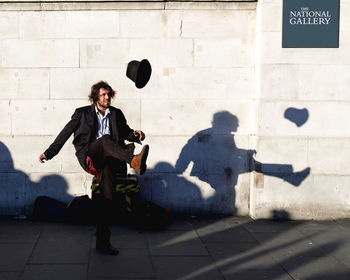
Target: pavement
208	247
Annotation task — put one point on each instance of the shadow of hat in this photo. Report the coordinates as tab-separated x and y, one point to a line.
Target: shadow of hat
139	72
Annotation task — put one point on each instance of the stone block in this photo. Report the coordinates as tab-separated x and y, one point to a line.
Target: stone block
329	156
150	24
242	195
164	118
132	112
12	193
172	146
92	24
42	24
332	192
163	52
344	23
205	5
210	83
325	119
39	53
231	52
324	82
38	117
305	82
5	117
218	23
279	194
271	17
19	6
16	157
104	52
93	6
272	52
273	152
8	25
61	186
76	83
164	152
320	197
24	84
69	161
279	81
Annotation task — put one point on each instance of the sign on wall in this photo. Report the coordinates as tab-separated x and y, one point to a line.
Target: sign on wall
310	24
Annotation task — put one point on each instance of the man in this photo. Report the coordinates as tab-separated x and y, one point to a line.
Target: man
100	131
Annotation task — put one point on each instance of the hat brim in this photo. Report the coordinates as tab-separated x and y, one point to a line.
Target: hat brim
143	74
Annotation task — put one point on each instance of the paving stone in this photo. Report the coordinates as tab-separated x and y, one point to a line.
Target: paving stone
311	227
134	240
175	243
344	223
10	275
257	274
184	223
220	232
176	267
54	272
268	226
13	256
230	257
18	231
316	268
62	246
334	243
282	246
130	263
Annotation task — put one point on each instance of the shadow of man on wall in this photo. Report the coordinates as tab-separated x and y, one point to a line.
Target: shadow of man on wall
218	162
18	192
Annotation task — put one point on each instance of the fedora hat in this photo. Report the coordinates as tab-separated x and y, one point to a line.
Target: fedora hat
139	72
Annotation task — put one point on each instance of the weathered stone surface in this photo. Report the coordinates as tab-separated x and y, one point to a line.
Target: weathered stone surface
211	83
163	52
8	25
170	117
231	52
5	119
39	53
24	84
217	24
150	24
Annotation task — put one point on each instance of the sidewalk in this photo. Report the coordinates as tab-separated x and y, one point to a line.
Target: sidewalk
202	248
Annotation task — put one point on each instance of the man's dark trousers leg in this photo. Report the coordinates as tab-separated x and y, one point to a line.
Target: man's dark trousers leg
106	156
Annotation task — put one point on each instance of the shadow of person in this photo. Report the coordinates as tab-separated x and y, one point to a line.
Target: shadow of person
172	190
18	192
217	161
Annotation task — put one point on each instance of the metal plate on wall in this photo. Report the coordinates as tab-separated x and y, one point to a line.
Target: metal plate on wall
310	24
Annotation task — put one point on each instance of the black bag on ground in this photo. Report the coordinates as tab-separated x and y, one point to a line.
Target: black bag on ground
49	209
130	208
79	210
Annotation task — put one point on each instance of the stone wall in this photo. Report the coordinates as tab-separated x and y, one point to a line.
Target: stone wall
202	56
316	80
217	105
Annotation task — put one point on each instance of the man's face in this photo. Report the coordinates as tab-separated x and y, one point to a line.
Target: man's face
104	98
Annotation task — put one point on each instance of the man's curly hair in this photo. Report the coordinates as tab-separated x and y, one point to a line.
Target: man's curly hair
95	89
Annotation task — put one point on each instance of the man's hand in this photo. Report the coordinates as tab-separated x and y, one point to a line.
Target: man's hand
42	157
140	135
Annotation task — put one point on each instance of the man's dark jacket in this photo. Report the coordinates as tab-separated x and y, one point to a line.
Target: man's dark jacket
84	126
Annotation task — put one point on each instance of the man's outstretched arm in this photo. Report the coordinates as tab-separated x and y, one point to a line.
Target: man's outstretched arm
62	137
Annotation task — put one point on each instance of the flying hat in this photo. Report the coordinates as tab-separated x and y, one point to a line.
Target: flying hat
139	72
